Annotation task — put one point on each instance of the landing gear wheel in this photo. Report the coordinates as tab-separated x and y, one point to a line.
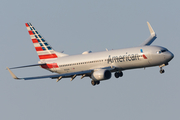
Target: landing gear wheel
97	82
93	82
162	71
118	74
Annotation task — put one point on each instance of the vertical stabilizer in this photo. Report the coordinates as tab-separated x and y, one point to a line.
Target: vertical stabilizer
43	49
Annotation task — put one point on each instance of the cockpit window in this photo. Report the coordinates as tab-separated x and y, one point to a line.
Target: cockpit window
161	51
158	52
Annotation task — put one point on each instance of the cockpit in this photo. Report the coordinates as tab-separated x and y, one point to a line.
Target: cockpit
162	51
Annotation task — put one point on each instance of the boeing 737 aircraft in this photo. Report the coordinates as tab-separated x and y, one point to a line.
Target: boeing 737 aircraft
99	65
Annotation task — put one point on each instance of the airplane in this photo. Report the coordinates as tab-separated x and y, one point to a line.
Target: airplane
98	65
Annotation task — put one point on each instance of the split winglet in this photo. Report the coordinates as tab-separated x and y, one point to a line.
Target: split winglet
12	74
151	38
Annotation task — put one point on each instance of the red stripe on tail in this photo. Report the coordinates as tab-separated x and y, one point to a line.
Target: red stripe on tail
26	24
52	65
48	56
34	40
31	33
38	48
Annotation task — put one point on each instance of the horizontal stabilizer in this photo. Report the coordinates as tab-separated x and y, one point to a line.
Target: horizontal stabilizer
151	38
28	66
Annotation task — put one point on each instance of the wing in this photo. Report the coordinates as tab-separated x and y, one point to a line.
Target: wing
59	76
66	75
151	38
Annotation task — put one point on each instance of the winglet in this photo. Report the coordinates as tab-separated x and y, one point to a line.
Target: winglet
151	29
151	38
12	74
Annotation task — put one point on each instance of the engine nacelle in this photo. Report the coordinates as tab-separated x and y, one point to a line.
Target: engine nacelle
101	74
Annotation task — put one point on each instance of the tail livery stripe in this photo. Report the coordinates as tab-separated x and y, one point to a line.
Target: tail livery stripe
39	48
47	56
31	33
40	43
48	66
35	41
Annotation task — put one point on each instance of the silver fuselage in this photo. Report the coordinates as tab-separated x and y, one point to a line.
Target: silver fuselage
122	59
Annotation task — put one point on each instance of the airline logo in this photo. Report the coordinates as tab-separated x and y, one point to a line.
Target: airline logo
126	58
144	56
43	49
123	58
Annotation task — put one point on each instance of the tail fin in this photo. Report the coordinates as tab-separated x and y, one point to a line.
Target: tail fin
43	49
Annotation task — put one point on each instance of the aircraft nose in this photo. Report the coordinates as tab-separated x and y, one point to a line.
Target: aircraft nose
170	56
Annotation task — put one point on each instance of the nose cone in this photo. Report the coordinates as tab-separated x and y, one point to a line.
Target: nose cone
169	56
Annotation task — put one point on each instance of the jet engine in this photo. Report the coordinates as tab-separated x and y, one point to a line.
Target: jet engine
101	74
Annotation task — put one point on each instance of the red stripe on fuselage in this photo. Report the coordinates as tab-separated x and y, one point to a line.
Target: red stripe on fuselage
48	66
48	56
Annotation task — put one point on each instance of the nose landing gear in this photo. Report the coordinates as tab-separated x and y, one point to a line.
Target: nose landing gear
162	70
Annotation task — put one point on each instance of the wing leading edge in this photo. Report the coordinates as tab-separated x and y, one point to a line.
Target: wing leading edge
151	38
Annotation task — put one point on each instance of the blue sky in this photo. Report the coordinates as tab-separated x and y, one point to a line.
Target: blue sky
74	27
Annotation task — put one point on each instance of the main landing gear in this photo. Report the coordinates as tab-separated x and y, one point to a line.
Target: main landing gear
118	74
95	82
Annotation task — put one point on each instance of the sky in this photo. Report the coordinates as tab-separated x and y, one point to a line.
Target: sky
75	26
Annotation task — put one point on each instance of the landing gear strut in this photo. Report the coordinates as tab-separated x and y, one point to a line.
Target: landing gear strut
118	74
95	82
162	70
